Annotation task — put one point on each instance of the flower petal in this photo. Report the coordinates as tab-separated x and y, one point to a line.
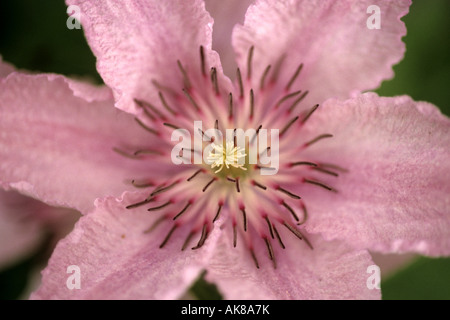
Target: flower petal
394	197
331	38
58	147
117	260
140	41
331	271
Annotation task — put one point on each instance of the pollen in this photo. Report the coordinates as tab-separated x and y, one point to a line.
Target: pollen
226	155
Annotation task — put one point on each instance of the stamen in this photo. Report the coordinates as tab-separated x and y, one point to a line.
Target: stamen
203	134
294	230
266	150
191	150
294	76
234	235
305	215
153	131
294	215
187	82
256	134
244	217
165	104
237	185
182	211
286	97
195	174
278	237
270	251
202	237
147	105
332	166
162	189
265	168
146	151
288	193
188	239
230	106
214	80
287	126
298	234
310	112
241	85
249	62
218	213
140	203
263	78
191	100
296	102
171	125
168	236
202	61
209	183
308	242
141	185
186	159
143	106
269	224
160	207
302	163
216	124
259	185
254	258
252	103
155	224
320	184
322	136
125	154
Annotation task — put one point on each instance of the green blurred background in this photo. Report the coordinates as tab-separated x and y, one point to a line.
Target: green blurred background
33	36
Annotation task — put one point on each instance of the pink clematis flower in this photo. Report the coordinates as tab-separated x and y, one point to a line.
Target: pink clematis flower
356	172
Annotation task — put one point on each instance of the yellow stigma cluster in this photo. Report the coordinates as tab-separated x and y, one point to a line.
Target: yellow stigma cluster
228	155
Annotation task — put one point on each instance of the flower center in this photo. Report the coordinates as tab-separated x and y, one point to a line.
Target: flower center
256	205
226	155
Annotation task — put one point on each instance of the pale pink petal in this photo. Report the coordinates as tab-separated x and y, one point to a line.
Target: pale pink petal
332	270
331	38
5	68
58	147
117	260
226	15
25	223
395	196
140	41
88	91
